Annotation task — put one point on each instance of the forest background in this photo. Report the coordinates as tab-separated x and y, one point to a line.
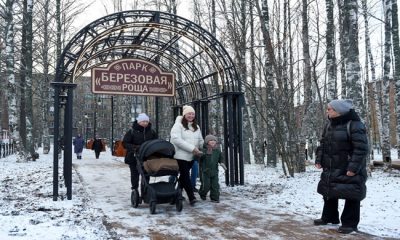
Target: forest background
292	57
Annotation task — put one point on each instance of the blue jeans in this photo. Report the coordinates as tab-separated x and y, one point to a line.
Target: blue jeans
194	173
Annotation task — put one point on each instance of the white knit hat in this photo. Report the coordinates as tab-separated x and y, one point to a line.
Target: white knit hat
341	106
187	109
142	117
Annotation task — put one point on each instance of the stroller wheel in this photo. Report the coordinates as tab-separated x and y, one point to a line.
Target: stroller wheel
179	205
153	207
135	198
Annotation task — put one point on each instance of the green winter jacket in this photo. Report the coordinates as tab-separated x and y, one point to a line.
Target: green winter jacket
209	162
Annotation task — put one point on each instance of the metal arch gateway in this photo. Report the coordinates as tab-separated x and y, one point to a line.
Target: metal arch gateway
205	72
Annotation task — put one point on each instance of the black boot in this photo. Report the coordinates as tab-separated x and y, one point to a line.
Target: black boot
347	230
320	221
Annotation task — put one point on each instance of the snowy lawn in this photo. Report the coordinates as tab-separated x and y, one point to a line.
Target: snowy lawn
27	210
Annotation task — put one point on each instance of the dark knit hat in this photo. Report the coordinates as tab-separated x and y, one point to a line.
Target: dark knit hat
341	106
210	138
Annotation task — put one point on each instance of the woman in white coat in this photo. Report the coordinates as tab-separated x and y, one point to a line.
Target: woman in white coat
187	140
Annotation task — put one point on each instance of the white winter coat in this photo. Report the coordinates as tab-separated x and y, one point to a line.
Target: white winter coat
185	141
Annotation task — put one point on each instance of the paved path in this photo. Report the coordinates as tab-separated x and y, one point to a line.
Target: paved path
107	182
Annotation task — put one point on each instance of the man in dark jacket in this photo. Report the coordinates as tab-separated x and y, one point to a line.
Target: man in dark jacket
139	133
342	156
97	146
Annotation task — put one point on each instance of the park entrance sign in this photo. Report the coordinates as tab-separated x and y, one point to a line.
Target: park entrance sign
133	77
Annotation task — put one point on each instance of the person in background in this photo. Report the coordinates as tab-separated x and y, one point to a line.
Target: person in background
342	157
209	169
187	139
97	147
78	146
140	132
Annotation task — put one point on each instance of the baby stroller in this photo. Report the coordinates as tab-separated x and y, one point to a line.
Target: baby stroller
155	158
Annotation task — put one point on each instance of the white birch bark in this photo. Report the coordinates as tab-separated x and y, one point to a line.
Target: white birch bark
12	84
370	65
353	69
385	136
330	53
396	75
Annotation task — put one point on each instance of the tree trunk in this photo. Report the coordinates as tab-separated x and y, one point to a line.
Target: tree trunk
269	88
386	84
306	118
12	93
370	64
330	53
45	83
396	75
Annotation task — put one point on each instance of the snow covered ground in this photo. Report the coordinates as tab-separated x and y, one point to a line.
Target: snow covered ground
27	210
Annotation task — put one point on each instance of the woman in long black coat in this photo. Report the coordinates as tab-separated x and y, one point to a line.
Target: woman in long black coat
97	147
342	156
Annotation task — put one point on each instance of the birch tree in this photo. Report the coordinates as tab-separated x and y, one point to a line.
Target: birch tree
396	71
371	91
256	125
306	119
44	59
26	117
385	136
12	86
331	67
352	64
269	85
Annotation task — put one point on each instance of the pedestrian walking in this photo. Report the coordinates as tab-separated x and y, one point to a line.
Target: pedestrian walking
209	162
187	140
97	147
139	133
342	157
78	146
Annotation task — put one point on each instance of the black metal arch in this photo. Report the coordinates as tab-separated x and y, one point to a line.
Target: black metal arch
175	44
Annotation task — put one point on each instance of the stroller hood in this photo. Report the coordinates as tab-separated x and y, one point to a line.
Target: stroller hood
156	146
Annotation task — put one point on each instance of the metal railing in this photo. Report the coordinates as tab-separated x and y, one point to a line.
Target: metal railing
6	149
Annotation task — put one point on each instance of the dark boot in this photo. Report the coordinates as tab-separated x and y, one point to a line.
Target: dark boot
347	230
318	222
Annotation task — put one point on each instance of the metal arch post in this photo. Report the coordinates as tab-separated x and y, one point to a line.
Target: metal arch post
56	136
156	103
205	116
112	125
67	138
240	100
226	137
237	129
231	143
68	143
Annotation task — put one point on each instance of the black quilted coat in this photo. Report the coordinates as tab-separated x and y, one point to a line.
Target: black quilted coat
134	138
340	152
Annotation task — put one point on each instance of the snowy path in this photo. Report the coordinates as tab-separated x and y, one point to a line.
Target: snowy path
107	182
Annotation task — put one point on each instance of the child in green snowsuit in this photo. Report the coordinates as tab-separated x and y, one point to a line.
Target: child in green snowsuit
209	169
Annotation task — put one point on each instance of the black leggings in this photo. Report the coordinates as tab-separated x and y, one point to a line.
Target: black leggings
184	177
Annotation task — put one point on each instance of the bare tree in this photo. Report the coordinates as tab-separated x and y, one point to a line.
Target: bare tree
12	93
370	91
396	75
26	118
385	136
330	53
